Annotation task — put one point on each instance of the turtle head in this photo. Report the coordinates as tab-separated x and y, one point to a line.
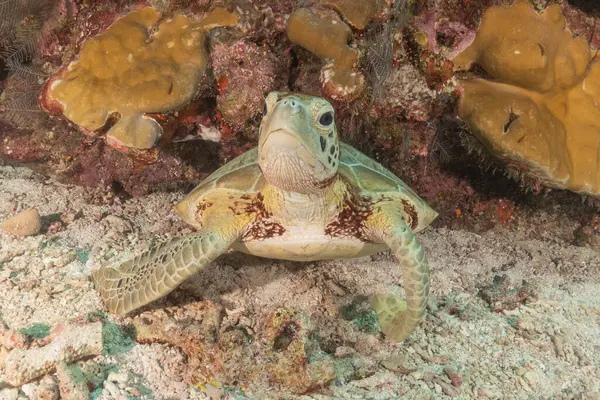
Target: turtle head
298	148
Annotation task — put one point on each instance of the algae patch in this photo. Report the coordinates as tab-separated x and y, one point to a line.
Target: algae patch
117	340
36	331
360	313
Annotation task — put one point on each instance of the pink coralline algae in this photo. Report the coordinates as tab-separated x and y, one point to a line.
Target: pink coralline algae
441	35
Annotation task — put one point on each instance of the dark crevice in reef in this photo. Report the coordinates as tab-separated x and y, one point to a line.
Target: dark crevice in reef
294	69
512	117
119	190
4	71
588	6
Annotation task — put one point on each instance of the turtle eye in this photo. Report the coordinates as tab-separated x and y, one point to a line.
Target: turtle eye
326	119
265	110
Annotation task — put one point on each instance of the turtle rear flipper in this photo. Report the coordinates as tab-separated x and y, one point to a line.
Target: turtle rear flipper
157	272
396	318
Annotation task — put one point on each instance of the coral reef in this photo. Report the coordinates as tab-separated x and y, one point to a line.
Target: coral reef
57	148
440	35
540	115
406	93
254	57
399	53
22	26
356	13
135	67
589	6
326	35
580	23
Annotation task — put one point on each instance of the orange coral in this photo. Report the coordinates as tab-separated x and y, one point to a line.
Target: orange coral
541	114
327	37
357	13
135	67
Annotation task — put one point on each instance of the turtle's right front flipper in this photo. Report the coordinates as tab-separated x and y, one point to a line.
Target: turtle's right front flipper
396	318
157	272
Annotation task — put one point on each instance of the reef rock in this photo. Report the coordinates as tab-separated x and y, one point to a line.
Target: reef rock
356	13
244	72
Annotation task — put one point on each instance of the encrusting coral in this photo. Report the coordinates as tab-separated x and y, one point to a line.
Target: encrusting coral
136	66
541	114
326	35
357	13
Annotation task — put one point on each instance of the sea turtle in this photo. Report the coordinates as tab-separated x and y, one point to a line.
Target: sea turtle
300	195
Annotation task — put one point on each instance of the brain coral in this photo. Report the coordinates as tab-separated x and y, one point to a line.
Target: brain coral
541	113
135	67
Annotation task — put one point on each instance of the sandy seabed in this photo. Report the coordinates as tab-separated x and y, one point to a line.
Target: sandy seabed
544	346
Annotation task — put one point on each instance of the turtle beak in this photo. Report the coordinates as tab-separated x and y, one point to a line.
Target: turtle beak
282	140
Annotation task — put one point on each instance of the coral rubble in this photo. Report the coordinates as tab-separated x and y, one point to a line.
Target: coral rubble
541	113
70	343
25	223
282	356
137	66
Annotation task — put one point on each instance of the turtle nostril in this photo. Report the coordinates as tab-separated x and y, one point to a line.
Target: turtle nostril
293	105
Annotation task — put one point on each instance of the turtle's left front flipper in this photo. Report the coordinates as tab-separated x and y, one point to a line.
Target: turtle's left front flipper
157	272
396	318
